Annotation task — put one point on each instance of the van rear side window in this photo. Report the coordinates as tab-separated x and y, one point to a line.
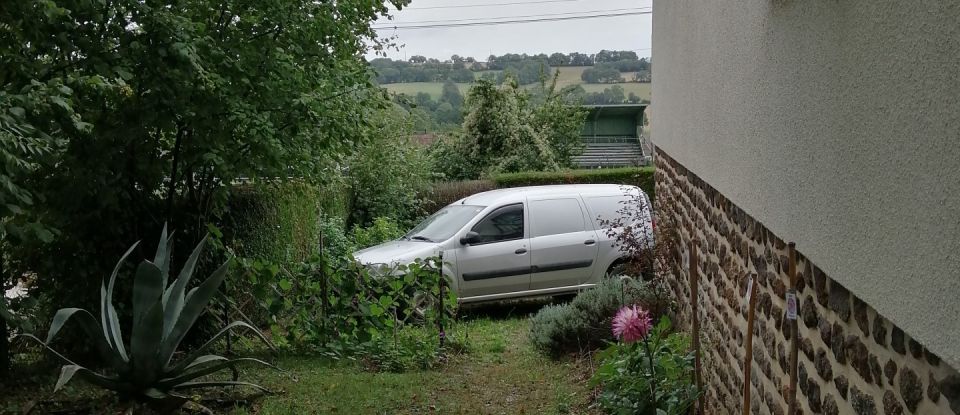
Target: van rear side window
605	208
555	216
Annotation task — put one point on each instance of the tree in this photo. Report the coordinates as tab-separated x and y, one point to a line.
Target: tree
601	74
456	59
159	108
613	95
605	56
388	76
580	59
509	129
425	101
390	154
447	113
461	75
451	94
558	59
418	59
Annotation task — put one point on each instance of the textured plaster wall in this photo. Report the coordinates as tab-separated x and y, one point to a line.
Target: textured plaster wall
837	125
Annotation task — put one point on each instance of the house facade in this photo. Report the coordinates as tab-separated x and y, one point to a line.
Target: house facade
834	125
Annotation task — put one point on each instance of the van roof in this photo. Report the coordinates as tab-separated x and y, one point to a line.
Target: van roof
512	194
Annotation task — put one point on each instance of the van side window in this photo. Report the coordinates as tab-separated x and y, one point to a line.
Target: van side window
503	224
605	208
555	216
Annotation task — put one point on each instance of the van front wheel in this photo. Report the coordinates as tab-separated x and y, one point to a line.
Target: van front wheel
423	301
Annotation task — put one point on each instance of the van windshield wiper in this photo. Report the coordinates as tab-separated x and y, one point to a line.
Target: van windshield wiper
420	238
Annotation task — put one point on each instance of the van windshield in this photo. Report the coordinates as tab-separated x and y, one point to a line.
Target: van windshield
442	225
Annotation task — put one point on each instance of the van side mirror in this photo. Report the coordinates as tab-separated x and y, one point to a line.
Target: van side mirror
470	238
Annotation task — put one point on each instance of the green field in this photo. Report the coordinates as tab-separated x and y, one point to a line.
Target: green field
569	75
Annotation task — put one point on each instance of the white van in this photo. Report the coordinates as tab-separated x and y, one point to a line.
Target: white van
519	242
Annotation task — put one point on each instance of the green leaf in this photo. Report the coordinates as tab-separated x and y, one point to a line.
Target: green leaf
199	371
66	373
285	284
196	355
147	290
174	296
90	327
88	375
108	314
196	303
162	257
213	384
145	342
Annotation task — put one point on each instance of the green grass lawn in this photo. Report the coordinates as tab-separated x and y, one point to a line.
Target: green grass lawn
499	374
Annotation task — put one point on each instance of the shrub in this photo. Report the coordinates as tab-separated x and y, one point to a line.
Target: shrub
584	323
653	376
162	316
382	230
341	308
388	173
337	244
641	177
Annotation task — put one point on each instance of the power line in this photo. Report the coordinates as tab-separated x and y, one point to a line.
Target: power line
530	15
501	22
490	4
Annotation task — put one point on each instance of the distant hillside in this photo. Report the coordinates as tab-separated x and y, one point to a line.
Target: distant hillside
569	75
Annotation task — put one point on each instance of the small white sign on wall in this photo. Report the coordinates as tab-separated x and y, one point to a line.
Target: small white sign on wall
792	304
746	298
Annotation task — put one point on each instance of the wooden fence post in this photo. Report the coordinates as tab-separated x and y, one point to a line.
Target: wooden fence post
442	311
794	332
324	294
694	303
748	358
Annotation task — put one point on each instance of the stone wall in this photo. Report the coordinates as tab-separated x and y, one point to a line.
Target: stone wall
851	360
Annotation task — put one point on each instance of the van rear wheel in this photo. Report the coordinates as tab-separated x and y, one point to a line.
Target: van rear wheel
618	270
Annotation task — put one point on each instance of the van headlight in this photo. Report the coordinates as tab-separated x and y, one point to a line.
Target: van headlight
378	269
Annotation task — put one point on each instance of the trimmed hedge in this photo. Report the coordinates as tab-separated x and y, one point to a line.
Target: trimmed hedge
445	193
280	222
641	177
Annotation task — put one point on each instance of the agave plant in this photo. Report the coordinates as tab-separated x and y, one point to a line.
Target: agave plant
145	369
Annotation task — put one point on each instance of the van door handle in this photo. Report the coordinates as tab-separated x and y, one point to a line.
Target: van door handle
520	251
589	242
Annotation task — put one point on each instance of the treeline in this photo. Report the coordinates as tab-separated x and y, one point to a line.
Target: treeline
389	71
566	59
612	72
526	69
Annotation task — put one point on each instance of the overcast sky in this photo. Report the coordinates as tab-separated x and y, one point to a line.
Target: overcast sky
580	35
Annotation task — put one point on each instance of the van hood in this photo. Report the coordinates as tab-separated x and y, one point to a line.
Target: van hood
398	252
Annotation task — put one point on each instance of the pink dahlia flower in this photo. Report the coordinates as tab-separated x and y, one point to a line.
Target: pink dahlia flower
632	323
